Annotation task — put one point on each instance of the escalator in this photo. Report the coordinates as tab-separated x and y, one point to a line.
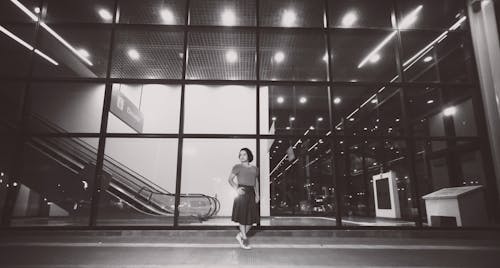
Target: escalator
69	182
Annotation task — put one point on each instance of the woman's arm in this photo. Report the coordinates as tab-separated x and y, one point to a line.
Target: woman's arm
257	192
234	184
231	181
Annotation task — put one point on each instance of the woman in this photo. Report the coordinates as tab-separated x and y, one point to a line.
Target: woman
245	210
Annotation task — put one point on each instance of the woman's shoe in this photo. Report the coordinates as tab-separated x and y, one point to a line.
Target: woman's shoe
240	240
246	244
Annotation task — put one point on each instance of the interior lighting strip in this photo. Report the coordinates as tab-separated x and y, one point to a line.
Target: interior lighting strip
26	45
52	32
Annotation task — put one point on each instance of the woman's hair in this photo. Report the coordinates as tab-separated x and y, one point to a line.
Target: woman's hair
249	154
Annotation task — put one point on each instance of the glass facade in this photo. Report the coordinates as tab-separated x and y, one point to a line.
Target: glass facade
116	113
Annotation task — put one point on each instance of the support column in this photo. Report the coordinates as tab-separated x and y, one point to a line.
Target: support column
487	53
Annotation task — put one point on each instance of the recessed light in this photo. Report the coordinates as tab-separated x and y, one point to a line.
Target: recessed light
133	54
228	18
279	57
320	119
375	58
280	99
231	56
84	53
349	19
337	100
303	100
430	101
167	16
450	111
427	59
288	19
105	14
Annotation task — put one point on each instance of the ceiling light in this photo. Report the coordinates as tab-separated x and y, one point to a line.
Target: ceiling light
374	101
397	120
311	128
349	19
26	45
231	56
337	100
351	119
279	57
288	18
228	18
320	119
449	111
105	14
427	59
325	57
280	99
430	101
273	118
25	10
410	18
287	128
133	54
292	118
84	53
375	58
303	100
167	16
37	10
64	42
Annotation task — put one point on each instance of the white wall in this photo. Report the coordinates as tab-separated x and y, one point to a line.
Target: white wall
160	105
73	107
220	109
207	164
155	159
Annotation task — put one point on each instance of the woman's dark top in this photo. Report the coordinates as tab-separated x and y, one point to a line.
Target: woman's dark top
247	175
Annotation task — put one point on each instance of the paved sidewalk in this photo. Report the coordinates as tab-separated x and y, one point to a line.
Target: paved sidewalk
220	249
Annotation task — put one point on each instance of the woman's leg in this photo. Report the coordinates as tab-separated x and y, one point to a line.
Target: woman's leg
243	231
247	228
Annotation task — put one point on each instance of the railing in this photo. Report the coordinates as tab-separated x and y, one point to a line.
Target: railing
144	191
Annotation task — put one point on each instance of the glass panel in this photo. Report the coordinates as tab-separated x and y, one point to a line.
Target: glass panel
374	110
463	119
294	110
11	95
471	164
220	109
16	44
206	196
299	173
167	12
226	54
79	52
56	185
293	56
360	13
66	107
144	108
424	111
436	56
9	12
363	55
456	59
138	182
146	53
222	13
429	13
292	13
8	145
96	11
376	185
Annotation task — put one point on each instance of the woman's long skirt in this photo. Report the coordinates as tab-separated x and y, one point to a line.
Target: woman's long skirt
245	210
